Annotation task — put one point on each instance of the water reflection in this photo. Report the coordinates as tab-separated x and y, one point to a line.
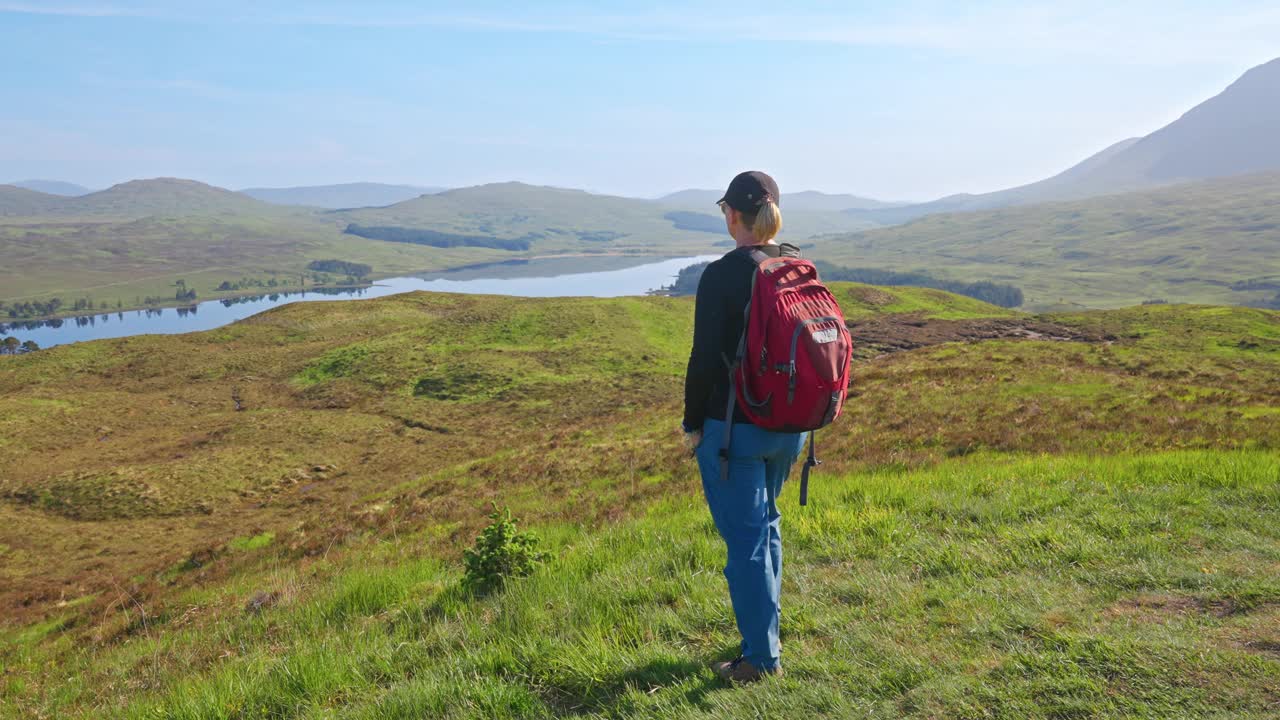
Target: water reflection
634	280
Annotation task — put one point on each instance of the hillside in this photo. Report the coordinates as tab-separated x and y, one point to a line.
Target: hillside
131	200
18	201
1230	134
159	196
968	569
345	195
1215	241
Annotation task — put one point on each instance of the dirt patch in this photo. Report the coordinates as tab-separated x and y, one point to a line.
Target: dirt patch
1271	647
1161	608
886	334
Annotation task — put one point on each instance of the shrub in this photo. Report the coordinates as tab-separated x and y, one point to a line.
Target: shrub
501	552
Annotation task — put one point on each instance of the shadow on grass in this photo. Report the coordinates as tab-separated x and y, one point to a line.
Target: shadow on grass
691	678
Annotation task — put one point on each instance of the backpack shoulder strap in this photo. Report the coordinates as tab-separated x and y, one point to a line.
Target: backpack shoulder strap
758	258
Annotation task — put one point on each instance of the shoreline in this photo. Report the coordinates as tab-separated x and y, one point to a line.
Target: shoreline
8	326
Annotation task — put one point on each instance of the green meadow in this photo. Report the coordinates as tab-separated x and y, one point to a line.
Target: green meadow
1061	516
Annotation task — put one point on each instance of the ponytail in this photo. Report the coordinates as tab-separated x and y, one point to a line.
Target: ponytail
766	223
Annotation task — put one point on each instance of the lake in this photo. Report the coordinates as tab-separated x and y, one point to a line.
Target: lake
553	277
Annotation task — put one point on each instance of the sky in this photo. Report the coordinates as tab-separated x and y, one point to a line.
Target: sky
898	101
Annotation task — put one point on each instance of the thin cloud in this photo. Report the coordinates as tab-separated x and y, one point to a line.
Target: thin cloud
1147	33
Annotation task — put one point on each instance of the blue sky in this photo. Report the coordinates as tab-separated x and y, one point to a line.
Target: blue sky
904	100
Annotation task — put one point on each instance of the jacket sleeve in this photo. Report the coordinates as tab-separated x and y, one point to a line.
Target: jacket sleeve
705	363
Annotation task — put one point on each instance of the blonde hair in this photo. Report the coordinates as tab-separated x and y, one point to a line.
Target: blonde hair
765	223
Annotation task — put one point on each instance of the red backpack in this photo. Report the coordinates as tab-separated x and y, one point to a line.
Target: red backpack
791	371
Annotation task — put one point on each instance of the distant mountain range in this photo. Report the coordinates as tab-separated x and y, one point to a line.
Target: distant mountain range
805	200
53	187
346	195
1234	133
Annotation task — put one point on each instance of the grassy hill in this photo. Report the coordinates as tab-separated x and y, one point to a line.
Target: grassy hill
1071	514
1216	241
19	201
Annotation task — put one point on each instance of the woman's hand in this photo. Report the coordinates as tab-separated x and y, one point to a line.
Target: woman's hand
692	439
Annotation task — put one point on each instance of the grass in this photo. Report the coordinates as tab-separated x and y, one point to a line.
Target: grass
956	555
1189	243
859	301
1037	587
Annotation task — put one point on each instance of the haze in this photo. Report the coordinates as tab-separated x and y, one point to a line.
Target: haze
908	103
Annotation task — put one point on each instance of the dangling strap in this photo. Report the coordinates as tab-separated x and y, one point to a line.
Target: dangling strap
813	461
728	429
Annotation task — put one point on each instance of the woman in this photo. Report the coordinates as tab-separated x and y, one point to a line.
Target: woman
744	504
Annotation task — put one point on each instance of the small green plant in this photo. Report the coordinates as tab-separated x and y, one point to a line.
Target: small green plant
501	552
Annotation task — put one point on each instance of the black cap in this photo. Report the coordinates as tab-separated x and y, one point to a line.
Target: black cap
749	190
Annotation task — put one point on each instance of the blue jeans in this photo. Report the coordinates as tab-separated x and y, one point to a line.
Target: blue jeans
745	510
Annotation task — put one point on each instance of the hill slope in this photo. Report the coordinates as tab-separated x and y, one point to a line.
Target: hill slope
18	201
346	195
1213	241
1232	133
300	554
159	196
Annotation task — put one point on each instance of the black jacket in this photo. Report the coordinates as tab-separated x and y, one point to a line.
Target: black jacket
723	294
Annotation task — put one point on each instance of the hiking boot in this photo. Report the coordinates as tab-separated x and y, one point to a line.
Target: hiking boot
740	670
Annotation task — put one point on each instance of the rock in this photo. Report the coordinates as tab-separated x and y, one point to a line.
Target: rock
261	600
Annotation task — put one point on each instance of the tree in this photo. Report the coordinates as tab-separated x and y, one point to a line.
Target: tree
30	346
11	345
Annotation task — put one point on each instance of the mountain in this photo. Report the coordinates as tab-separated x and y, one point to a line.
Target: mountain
133	199
53	187
804	200
347	195
1214	241
1233	133
161	196
1058	187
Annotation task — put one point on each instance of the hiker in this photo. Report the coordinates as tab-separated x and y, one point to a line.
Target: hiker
743	505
